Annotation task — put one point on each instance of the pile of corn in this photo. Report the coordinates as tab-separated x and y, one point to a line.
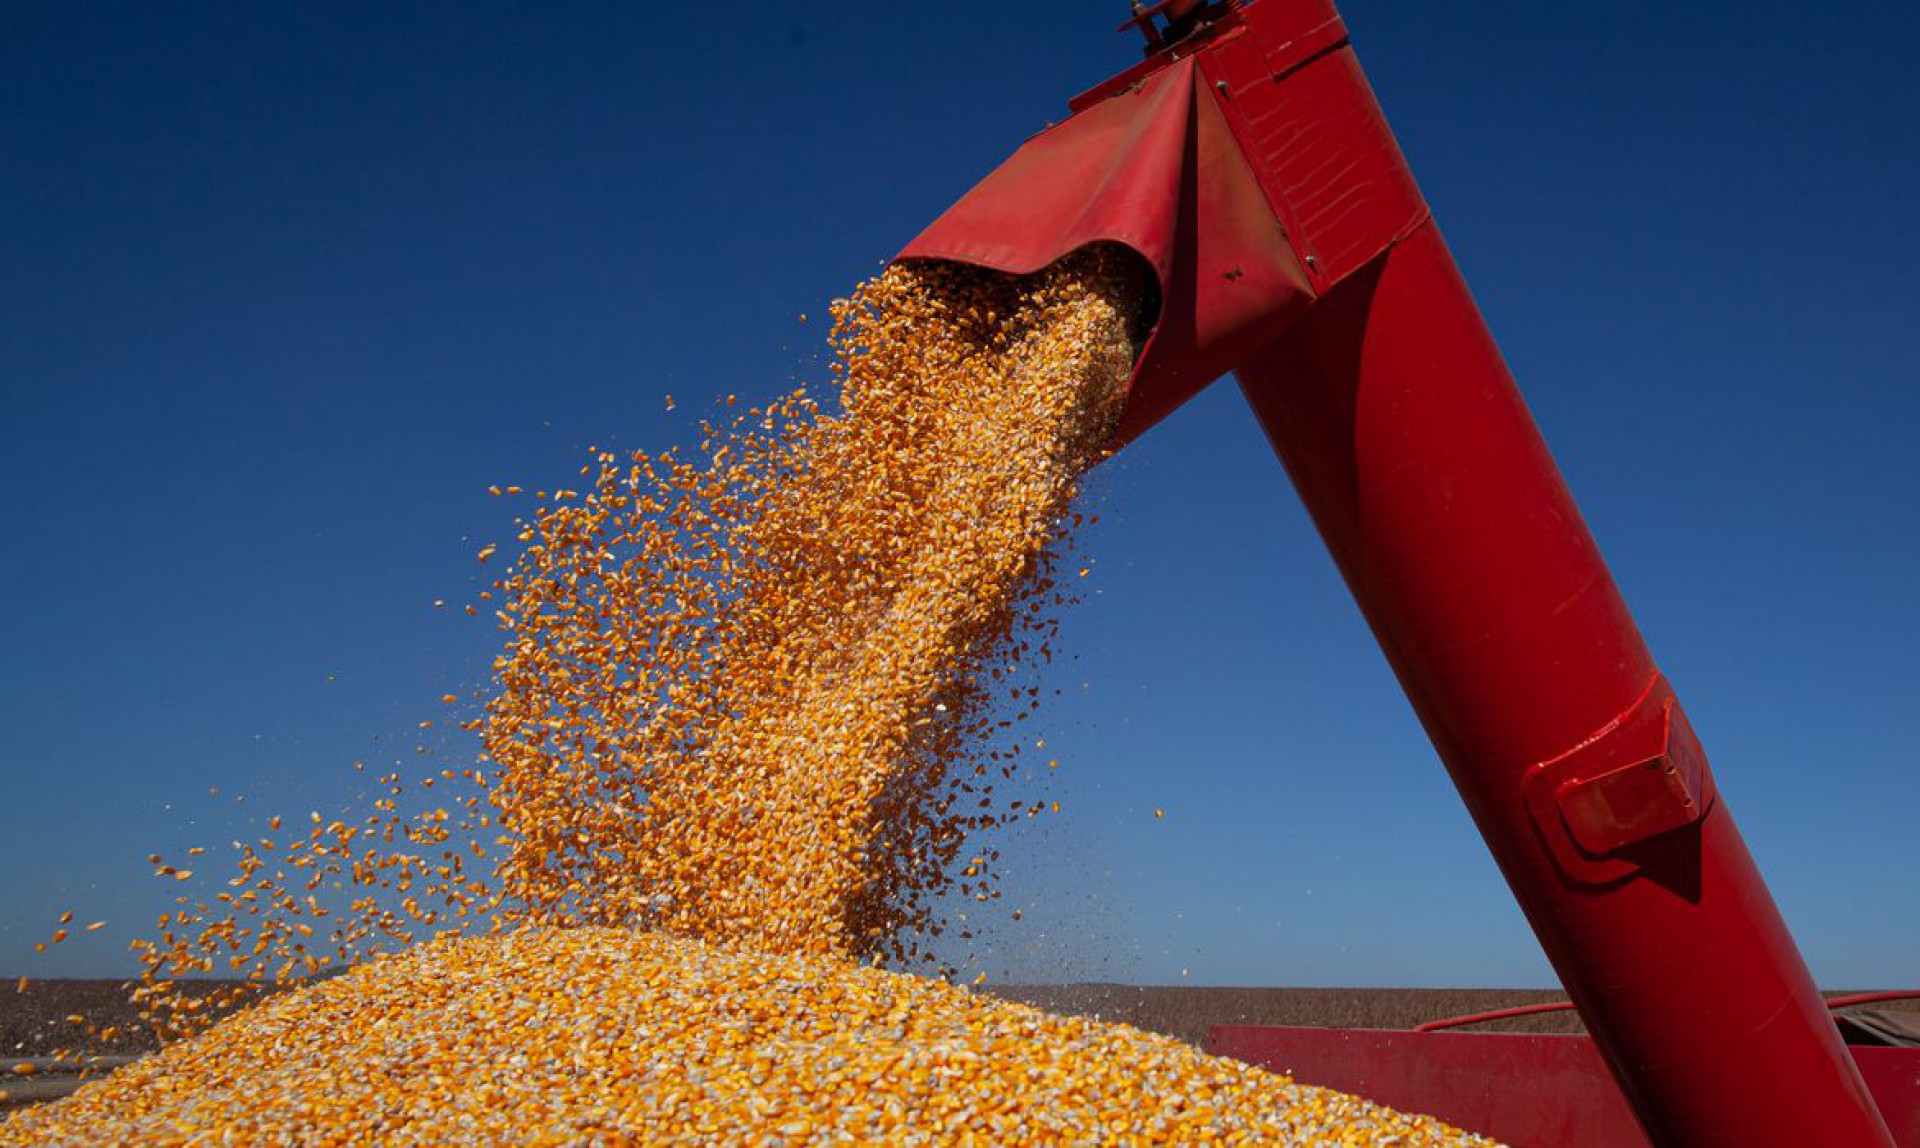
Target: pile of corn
750	719
603	1036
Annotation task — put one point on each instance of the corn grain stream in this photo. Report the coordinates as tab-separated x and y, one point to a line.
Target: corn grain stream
760	708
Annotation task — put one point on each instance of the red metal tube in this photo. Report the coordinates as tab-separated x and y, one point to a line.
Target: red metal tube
1395	415
1442	1024
1249	165
1854	1000
1493	1014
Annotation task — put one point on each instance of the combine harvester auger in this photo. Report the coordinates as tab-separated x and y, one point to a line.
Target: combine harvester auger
1247	163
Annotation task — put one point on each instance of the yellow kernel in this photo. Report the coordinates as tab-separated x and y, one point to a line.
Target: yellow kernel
745	734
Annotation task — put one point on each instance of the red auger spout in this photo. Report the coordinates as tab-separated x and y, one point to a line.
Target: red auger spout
1249	165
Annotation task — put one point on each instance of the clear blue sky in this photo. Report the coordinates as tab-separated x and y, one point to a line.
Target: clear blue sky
283	289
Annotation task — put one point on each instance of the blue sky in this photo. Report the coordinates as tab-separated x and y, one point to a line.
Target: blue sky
282	292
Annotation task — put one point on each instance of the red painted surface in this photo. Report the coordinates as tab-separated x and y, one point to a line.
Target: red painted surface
1250	165
1493	1014
1833	1003
1853	999
1154	169
1395	417
1527	1091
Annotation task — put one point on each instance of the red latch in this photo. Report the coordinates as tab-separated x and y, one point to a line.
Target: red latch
1643	775
1625	806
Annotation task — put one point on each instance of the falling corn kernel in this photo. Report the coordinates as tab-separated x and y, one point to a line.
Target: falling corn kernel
748	711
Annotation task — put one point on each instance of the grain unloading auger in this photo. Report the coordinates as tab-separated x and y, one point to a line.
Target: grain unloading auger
1248	163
